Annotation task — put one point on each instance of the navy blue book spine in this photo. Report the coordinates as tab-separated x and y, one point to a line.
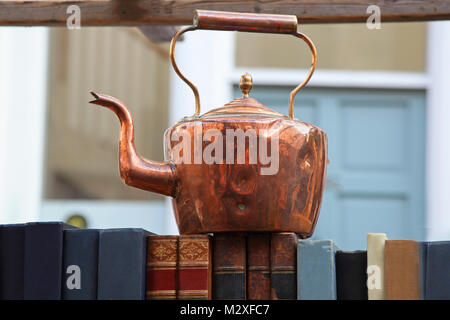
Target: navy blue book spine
423	249
43	260
80	264
438	271
12	239
351	275
121	264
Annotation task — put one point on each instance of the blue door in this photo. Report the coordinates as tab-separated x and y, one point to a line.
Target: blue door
376	146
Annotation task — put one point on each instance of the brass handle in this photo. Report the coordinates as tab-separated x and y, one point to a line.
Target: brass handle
247	22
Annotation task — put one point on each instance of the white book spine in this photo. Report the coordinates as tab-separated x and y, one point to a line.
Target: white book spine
375	265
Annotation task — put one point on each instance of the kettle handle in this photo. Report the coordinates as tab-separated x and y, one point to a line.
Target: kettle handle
247	22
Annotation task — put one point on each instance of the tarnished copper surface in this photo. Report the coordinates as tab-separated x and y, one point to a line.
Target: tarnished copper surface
236	197
248	22
233	197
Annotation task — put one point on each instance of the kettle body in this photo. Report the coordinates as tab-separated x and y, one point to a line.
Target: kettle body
224	189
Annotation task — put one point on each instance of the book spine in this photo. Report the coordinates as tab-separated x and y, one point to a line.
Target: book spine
122	262
43	260
162	264
423	249
438	275
229	266
12	245
351	276
375	265
258	266
195	267
401	270
283	266
80	264
316	272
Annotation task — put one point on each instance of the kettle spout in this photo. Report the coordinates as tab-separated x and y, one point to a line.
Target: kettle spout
136	171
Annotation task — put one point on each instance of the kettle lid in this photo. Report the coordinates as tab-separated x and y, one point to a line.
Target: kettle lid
244	104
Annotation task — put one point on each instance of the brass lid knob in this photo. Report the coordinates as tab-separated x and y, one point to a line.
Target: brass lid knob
246	84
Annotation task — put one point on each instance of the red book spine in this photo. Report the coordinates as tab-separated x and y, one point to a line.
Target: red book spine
194	267
258	266
162	262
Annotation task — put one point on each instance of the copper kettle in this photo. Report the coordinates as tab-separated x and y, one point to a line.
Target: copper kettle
241	167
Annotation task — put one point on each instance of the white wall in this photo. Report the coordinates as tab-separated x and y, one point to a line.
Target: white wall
23	69
438	132
148	215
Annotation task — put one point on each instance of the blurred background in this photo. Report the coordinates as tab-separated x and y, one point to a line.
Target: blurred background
381	96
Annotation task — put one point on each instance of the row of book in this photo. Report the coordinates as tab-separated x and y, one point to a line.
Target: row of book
387	270
280	266
407	269
52	260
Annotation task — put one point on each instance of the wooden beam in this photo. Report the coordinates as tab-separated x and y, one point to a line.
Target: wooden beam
177	12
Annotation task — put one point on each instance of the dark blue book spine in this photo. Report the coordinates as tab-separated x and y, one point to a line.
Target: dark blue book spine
351	275
423	249
80	264
121	264
43	260
438	271
12	240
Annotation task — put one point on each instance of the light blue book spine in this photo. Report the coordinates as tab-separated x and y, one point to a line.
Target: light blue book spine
316	270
